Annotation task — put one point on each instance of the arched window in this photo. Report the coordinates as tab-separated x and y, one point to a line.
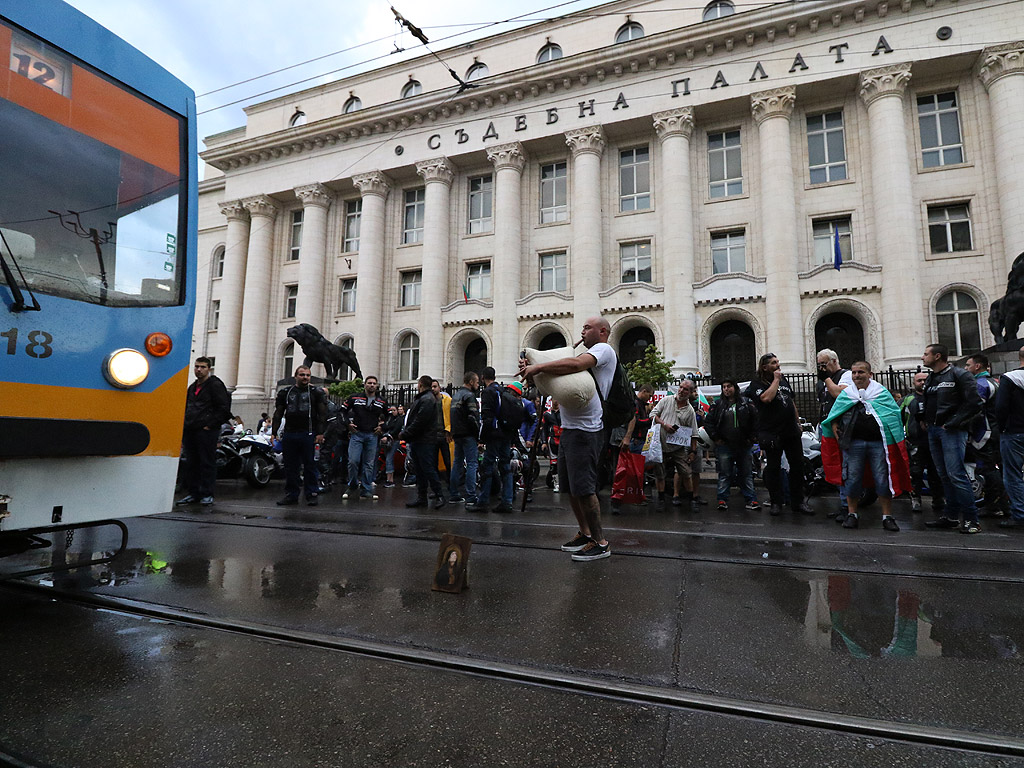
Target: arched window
409	357
344	372
288	360
549	52
629	31
477	72
218	262
352	105
959	323
299	118
412	88
718	10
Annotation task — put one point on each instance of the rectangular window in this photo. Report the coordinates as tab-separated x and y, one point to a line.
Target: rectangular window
293	253
825	240
635	262
729	252
353	220
949	228
478	280
554	275
412	283
481	204
725	164
214	315
412	230
348	295
291	299
939	119
634	179
826	147
554	193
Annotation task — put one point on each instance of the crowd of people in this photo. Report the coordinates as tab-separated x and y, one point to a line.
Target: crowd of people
465	447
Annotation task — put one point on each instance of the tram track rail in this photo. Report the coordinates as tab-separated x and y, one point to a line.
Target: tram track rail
562	681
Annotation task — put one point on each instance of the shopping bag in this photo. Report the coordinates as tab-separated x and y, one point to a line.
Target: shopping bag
652	445
628	487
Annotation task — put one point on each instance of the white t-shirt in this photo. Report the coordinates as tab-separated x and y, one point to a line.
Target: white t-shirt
588	418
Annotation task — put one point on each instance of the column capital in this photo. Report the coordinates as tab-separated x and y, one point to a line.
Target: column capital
510	155
372	183
437	169
999	61
261	205
778	102
584	140
234	210
314	195
884	81
674	122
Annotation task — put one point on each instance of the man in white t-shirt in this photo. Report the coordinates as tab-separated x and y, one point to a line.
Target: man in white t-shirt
583	437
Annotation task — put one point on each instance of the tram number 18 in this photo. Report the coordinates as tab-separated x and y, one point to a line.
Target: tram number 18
39	343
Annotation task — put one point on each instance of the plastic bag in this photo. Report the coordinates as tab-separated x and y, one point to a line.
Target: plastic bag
652	445
628	487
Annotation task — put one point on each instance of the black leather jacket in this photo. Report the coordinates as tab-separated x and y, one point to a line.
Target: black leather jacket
733	426
422	422
953	394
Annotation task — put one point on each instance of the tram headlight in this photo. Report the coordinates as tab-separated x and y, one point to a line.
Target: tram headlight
126	368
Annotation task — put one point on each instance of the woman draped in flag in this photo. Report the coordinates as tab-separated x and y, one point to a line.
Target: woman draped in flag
864	431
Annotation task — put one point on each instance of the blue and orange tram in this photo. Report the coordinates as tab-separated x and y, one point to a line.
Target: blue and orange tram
98	196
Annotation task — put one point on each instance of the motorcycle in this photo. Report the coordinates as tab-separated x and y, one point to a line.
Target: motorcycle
228	460
261	459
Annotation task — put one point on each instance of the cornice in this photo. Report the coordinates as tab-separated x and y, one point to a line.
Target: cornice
729	301
753	29
438	169
846	265
466	303
999	61
730	276
537	295
674	122
777	102
630	287
840	291
884	81
510	155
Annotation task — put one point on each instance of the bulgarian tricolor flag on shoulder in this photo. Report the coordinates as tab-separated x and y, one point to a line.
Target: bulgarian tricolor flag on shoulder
878	403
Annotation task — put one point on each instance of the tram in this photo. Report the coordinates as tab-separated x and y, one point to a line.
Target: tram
98	191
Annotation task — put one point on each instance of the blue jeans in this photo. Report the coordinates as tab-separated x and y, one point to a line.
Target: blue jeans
389	459
871	453
298	451
497	459
948	447
466	459
362	458
1011	447
734	462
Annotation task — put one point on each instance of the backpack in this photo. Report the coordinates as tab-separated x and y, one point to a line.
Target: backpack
620	406
511	412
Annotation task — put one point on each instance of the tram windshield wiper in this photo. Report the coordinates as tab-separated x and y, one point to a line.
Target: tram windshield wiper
19	304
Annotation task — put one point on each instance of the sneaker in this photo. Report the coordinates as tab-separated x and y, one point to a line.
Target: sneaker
440	502
804	509
676	501
915	503
503	508
752	505
702	502
190	499
288	501
970	526
408	484
578	542
592	551
456	500
389	485
942	522
417	503
889	524
554	488
370	496
472	507
312	500
851	521
345	495
695	505
206	501
723	506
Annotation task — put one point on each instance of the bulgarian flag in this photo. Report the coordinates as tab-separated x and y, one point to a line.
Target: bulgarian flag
879	404
702	401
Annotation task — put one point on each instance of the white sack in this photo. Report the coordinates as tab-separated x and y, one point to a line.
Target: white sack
573	389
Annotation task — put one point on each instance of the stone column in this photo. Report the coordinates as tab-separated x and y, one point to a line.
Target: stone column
675	201
316	199
506	265
252	350
438	175
1001	69
587	258
772	111
370	299
232	284
895	216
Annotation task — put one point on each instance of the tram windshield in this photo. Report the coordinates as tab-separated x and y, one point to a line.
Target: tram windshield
92	197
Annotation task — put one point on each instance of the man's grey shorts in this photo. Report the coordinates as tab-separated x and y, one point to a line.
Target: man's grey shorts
578	454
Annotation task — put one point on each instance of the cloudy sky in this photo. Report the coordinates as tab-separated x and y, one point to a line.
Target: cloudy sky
210	44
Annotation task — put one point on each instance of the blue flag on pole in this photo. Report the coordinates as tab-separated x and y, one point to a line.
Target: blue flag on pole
837	251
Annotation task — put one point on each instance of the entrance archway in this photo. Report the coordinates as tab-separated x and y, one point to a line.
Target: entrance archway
475	357
733	354
844	334
554	340
634	344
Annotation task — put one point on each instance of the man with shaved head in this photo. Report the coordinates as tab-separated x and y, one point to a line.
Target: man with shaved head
583	437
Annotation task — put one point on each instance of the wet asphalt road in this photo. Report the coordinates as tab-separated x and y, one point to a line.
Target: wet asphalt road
367	667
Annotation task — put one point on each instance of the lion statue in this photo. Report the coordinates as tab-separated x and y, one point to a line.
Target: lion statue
317	349
1007	313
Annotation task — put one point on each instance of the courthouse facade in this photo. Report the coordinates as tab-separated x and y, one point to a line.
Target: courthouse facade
688	174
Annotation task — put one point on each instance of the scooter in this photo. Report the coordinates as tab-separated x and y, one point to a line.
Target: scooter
261	459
